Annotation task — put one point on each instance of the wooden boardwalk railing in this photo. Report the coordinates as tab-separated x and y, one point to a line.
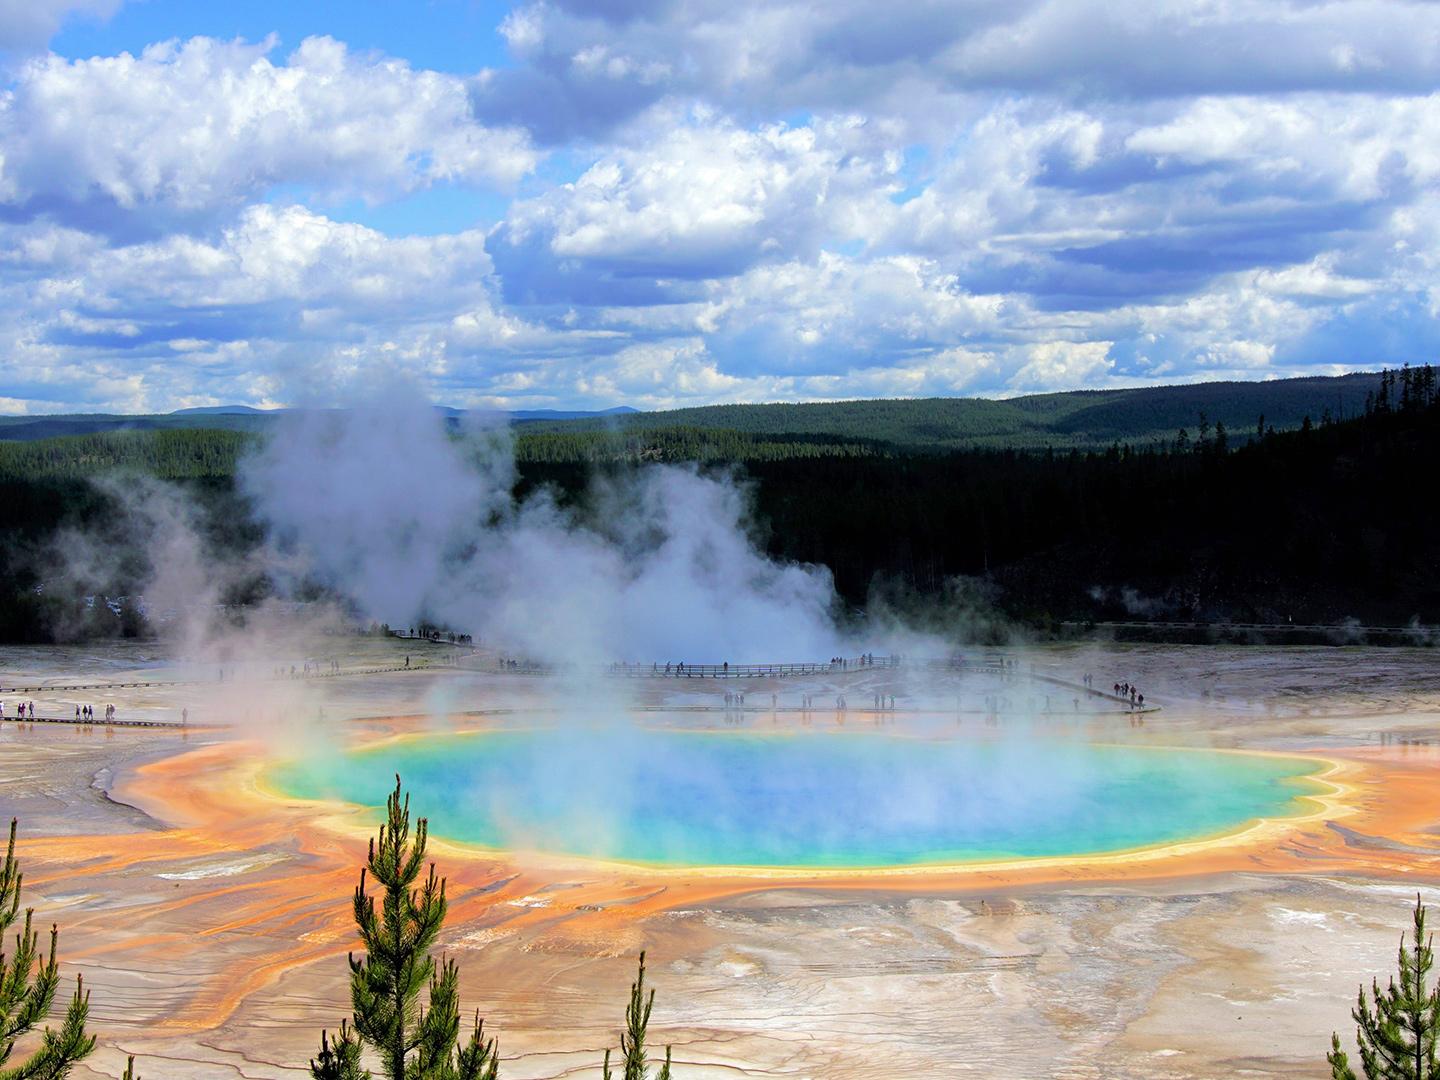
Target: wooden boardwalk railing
747	671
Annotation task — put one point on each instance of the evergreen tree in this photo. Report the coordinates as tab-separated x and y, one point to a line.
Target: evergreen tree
1397	1038
412	1043
27	990
632	1041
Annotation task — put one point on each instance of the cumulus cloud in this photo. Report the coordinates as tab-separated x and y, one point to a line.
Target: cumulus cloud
282	296
588	67
743	201
1064	365
704	200
26	25
187	129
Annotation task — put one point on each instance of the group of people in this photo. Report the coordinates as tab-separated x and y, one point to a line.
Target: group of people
85	714
1137	699
309	668
431	634
866	660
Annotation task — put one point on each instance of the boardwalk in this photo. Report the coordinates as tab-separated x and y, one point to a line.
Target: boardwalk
53	688
82	723
749	671
988	664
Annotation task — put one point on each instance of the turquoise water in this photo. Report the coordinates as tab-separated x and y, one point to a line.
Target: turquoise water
805	800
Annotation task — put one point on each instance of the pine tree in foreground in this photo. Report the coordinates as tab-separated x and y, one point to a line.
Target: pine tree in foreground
28	982
410	1041
1397	1039
632	1041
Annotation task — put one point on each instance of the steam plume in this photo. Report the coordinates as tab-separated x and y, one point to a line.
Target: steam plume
386	507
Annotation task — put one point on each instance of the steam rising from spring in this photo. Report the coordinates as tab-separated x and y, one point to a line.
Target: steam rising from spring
385	506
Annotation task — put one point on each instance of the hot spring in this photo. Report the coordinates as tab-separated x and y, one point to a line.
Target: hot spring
687	798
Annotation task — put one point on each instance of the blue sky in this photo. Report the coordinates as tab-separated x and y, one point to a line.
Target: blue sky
583	203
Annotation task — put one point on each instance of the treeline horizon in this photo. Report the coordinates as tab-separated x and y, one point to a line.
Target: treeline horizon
1083	419
210	445
1213	523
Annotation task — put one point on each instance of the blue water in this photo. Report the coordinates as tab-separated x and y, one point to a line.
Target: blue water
804	800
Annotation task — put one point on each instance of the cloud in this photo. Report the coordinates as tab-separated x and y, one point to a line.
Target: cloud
26	25
694	201
704	199
1171	48
1064	365
282	298
190	129
586	68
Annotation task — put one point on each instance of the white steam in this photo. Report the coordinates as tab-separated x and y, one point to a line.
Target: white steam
384	506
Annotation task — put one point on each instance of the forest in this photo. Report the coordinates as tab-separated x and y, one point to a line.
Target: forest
1214	522
1082	419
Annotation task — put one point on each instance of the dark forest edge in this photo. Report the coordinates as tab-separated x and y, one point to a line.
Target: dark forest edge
1080	419
1215	524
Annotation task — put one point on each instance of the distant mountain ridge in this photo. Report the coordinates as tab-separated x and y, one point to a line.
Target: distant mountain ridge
570	414
230	418
1077	419
222	410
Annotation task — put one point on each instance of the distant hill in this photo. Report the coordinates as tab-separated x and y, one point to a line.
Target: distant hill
1073	419
220	410
1314	525
224	418
571	414
1078	419
28	428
